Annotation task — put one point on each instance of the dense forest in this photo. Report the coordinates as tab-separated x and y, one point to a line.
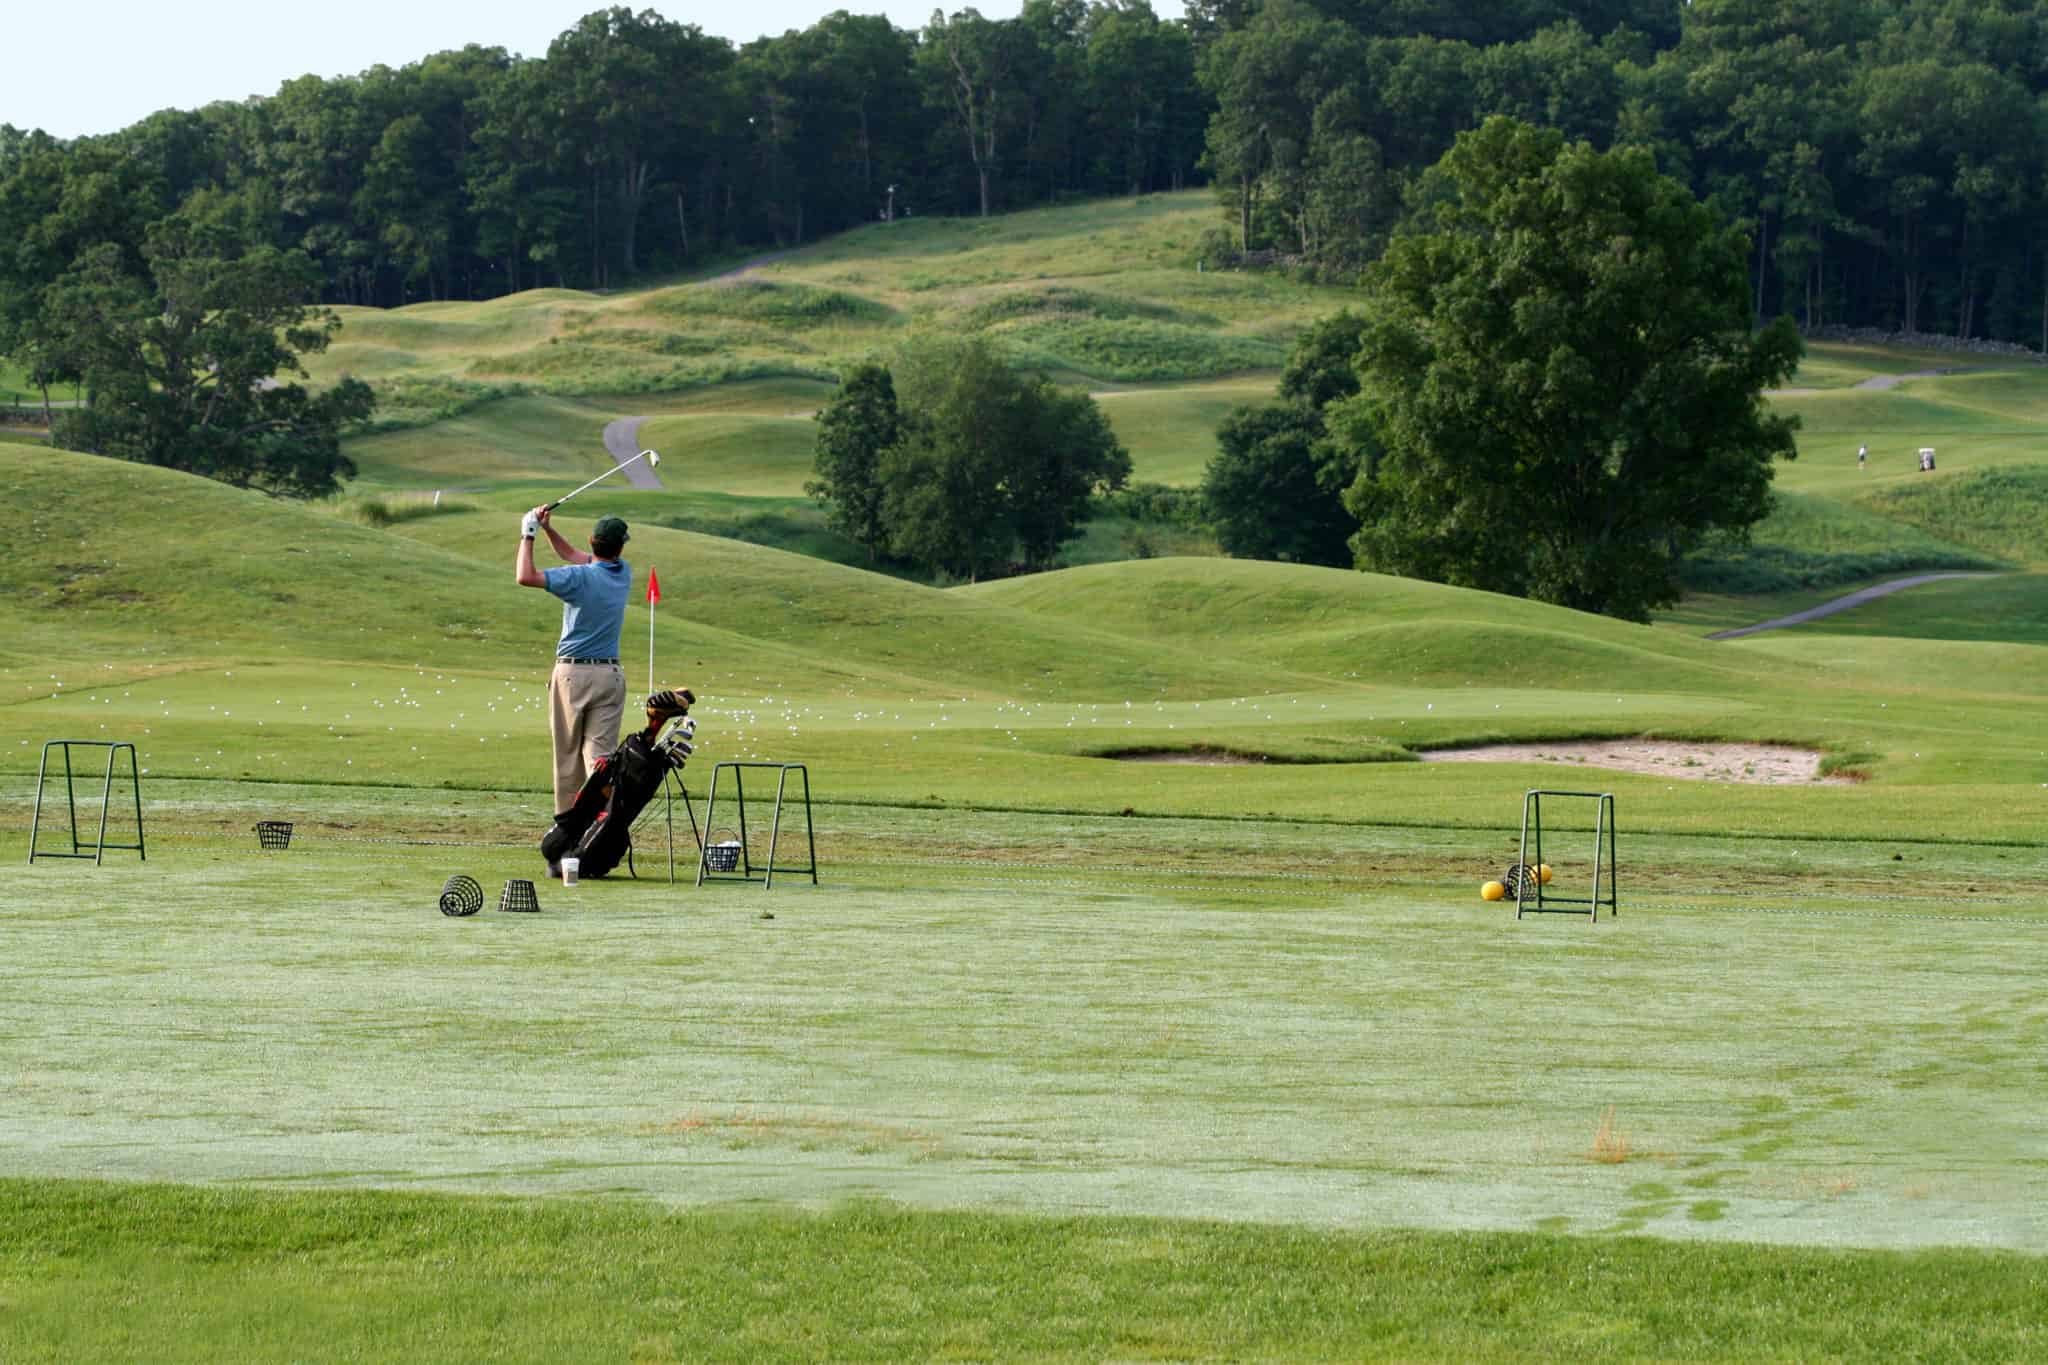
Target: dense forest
1884	156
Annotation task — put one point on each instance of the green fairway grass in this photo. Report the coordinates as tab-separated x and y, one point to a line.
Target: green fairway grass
2008	612
1171	432
16	389
281	1275
1258	1036
406	654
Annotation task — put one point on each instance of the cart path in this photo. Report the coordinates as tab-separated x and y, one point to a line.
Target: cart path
1892	381
1854	599
622	442
1881	381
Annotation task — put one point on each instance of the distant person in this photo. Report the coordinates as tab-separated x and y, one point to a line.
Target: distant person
1862	456
587	691
1926	458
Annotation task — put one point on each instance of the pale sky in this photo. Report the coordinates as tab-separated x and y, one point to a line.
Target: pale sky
96	66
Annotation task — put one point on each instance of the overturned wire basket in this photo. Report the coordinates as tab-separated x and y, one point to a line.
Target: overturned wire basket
723	856
461	896
518	898
274	834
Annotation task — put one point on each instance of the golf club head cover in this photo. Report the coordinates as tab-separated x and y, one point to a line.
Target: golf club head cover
667	704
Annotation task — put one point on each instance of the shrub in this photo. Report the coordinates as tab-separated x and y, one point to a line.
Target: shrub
1155	503
389	509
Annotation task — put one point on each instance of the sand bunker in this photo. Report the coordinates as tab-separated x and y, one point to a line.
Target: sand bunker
1210	757
1765	763
1771	764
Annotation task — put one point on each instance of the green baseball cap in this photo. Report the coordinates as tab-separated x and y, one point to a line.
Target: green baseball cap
611	530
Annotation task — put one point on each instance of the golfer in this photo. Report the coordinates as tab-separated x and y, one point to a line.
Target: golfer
587	691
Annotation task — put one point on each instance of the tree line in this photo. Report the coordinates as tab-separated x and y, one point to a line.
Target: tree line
1888	159
637	144
1883	160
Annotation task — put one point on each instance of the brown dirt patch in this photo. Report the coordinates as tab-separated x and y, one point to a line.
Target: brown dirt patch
1770	764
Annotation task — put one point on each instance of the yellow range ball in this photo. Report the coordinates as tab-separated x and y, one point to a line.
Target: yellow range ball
1543	873
1492	891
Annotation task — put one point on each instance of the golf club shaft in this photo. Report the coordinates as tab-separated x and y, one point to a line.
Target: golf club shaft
599	479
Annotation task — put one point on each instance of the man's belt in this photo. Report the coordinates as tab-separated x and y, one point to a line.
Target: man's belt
567	660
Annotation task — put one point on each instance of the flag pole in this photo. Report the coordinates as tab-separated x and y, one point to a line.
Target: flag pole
653	596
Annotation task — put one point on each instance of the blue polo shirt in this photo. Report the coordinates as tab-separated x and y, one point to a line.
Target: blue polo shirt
593	606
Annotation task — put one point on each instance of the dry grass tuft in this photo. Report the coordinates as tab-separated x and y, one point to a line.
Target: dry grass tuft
1610	1144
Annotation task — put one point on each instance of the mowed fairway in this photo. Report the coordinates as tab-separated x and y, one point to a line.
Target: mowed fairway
1067	1055
1339	1047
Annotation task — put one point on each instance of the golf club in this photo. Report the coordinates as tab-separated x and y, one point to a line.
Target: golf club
647	455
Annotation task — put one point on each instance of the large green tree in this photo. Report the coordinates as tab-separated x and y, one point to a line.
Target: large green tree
1561	368
992	465
854	429
181	365
1275	488
957	464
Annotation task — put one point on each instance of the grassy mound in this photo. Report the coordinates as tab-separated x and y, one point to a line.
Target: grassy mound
1103	291
1368	628
788	307
141	563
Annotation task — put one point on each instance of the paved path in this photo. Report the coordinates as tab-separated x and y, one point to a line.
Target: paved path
1854	599
622	442
1857	599
1892	381
1881	381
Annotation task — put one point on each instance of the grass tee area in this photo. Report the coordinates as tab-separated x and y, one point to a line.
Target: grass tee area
1069	1056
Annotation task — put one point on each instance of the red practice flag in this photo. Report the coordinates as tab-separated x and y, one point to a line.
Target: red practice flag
653	588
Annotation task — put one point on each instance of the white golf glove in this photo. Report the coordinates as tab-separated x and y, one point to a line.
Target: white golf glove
529	526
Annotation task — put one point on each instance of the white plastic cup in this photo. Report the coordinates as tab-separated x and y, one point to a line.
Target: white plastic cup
569	869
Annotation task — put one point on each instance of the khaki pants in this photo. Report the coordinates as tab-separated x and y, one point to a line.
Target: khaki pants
586	702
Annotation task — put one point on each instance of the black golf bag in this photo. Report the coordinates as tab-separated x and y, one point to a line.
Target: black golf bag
597	828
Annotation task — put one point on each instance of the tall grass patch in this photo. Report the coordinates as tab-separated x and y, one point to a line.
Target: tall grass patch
1064	300
786	306
1135	350
696	341
407	402
2000	513
570	367
1811	541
